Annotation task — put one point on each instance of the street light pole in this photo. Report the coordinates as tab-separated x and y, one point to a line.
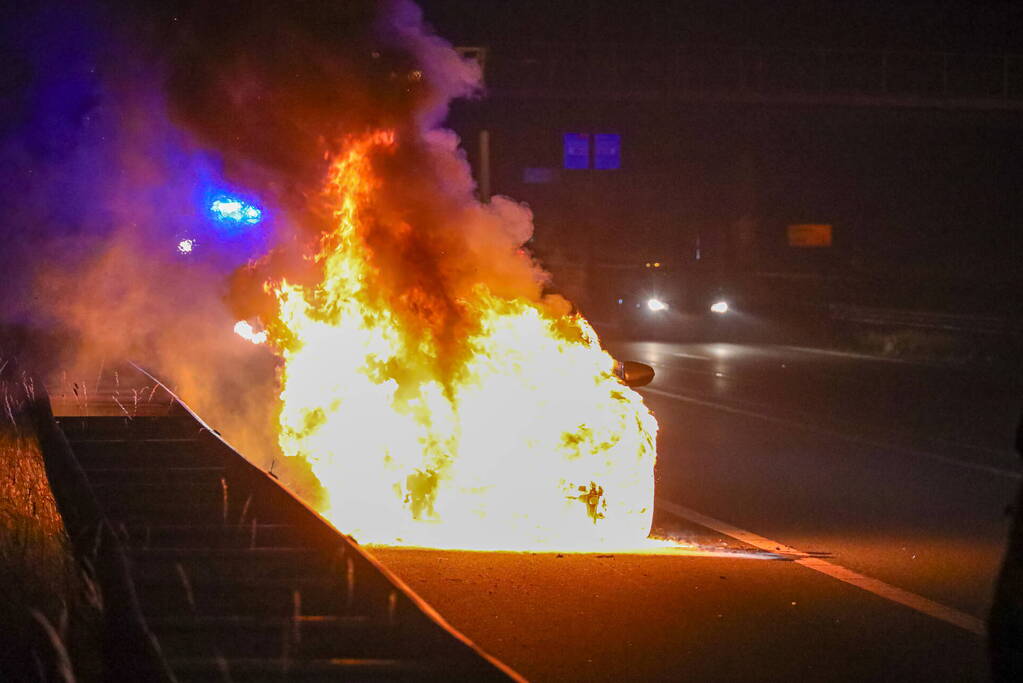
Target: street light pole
484	188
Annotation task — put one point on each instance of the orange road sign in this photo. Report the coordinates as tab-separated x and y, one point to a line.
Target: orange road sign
809	235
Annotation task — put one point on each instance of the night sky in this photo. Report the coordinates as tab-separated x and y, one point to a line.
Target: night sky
949	25
931	191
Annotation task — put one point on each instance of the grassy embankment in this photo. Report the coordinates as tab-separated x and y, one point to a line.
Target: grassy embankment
49	609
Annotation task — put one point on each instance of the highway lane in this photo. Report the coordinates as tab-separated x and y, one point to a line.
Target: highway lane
629	617
898	472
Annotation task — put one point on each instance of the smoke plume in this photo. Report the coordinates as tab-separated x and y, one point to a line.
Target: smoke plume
254	98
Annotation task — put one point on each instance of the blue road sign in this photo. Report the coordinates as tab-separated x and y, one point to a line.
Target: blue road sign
577	150
607	151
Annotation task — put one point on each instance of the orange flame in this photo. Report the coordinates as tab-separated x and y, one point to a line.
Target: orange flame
485	422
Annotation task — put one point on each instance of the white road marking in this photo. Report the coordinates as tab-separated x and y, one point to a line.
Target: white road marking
989	469
690	355
866	356
887	591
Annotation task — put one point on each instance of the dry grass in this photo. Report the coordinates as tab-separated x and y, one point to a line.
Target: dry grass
46	613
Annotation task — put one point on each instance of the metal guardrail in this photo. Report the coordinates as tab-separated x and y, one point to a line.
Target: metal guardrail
865	77
129	650
928	320
459	657
210	565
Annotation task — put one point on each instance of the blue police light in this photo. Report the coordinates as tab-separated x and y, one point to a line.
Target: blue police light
227	209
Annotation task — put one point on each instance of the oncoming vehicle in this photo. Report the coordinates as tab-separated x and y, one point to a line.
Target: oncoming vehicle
657	300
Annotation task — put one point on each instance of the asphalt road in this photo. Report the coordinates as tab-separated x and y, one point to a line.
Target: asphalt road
870	495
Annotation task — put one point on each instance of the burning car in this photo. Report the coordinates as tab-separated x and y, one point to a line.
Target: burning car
434	388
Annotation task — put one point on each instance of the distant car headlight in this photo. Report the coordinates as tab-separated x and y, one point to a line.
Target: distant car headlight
656	305
719	307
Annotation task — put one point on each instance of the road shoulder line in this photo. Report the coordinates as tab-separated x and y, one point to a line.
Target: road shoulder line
884	590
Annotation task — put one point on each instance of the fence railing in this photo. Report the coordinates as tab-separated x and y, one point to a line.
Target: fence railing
927	320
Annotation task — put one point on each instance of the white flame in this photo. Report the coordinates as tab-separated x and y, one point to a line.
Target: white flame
244	330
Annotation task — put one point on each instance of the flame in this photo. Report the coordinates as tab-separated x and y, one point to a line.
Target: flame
492	423
243	328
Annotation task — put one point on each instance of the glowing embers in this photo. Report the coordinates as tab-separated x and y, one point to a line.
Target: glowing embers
495	423
227	209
